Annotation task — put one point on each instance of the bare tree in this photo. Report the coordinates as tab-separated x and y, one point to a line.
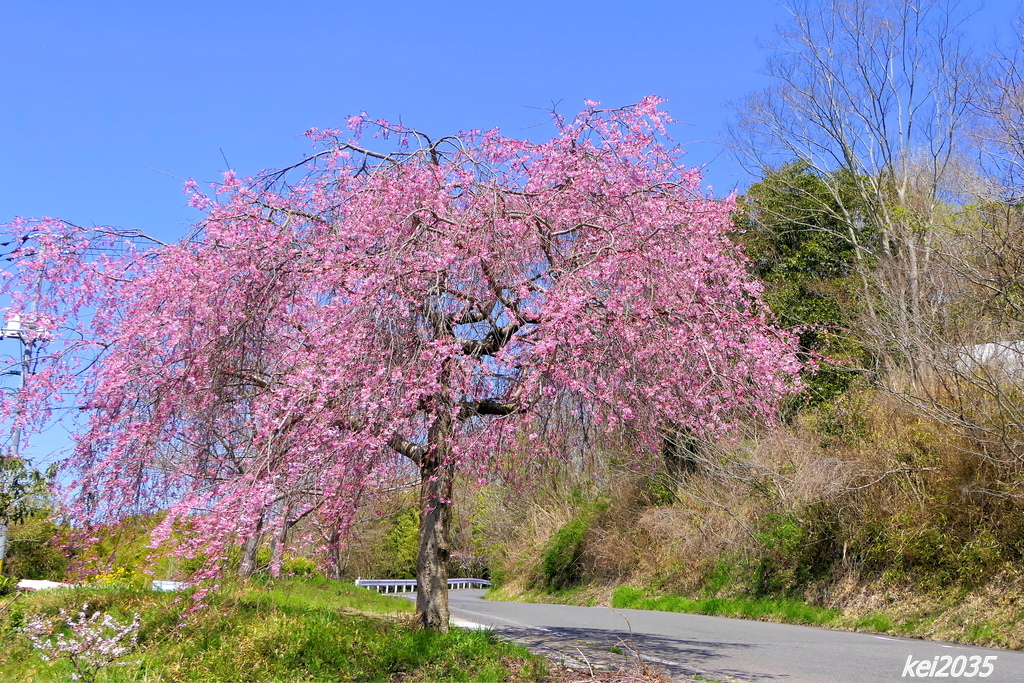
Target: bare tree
1000	132
876	98
972	353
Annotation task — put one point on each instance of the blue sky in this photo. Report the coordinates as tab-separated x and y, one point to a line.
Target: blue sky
106	107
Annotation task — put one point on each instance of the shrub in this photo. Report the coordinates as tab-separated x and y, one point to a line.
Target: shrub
400	546
560	566
95	641
8	584
34	550
299	566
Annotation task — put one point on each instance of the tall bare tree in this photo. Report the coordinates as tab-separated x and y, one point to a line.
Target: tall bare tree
1001	131
876	98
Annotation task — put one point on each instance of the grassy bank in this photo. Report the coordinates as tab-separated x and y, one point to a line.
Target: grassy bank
989	616
308	630
860	513
785	610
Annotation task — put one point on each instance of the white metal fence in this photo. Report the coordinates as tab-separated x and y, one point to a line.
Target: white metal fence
409	585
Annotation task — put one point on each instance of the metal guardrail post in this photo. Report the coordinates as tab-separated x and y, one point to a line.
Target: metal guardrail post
409	585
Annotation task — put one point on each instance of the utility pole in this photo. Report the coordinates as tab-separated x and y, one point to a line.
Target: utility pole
13	330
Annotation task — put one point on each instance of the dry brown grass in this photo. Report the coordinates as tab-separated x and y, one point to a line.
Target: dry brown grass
895	512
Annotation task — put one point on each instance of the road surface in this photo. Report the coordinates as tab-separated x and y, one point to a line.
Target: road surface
722	649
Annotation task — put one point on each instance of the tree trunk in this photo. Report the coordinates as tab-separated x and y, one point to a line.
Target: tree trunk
3	544
437	473
334	555
250	550
279	542
680	450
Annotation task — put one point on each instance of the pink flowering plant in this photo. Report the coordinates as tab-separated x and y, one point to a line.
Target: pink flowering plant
94	641
473	304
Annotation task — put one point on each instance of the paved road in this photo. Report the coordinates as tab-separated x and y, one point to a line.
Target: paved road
737	650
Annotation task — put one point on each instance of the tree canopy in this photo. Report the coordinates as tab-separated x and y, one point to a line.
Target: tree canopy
431	308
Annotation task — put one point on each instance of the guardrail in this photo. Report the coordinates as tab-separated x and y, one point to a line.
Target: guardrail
168	585
409	585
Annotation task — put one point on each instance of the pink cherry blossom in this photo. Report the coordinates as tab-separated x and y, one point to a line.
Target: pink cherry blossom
370	314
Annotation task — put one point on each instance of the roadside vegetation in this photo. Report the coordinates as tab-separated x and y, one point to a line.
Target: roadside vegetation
859	514
890	495
304	629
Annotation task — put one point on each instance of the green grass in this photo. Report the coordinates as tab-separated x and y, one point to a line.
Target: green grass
983	633
769	609
874	621
295	630
568	596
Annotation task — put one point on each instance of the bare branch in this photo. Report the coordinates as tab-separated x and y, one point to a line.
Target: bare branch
489	406
410	450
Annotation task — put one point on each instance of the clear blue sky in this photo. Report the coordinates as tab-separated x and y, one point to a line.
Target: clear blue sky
106	107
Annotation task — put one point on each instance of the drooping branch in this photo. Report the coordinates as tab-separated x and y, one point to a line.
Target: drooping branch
410	450
248	376
489	406
445	323
493	342
474	314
